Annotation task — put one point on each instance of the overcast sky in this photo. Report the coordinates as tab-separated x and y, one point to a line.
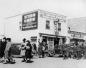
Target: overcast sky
70	8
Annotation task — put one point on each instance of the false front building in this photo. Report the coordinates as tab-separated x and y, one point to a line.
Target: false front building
37	26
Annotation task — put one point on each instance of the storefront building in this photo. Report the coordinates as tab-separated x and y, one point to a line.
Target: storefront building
37	26
77	37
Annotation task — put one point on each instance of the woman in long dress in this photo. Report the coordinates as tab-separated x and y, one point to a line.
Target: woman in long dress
23	45
2	47
28	53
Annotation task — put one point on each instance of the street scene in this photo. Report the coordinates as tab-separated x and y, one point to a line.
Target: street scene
43	34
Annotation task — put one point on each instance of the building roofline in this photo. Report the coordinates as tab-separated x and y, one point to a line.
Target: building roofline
12	16
34	11
52	12
19	14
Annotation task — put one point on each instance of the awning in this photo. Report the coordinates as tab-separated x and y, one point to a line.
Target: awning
47	35
77	39
51	35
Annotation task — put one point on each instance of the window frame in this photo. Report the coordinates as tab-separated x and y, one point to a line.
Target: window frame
59	26
47	24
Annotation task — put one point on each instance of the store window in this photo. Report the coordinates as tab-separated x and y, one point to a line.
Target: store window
59	26
47	24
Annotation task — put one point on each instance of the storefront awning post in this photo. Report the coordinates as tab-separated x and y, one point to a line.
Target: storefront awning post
60	41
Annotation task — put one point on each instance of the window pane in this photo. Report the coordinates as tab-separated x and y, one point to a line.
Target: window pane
47	24
59	26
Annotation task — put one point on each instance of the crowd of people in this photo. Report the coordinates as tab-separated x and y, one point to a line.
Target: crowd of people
41	51
28	50
5	50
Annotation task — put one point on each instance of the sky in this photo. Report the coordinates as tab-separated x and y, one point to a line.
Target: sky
69	8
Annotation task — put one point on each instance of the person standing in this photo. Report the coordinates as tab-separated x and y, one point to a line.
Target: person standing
7	49
23	45
41	49
34	49
2	47
28	53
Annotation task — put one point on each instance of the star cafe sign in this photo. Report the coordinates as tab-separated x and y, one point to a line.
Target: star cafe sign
52	16
56	29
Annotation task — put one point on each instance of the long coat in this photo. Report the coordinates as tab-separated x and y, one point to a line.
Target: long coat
2	48
28	53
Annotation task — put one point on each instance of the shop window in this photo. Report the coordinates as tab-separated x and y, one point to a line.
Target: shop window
47	24
59	26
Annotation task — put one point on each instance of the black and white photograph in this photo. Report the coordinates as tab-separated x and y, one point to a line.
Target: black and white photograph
42	33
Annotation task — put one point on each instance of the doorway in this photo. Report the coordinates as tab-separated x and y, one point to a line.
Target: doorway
56	41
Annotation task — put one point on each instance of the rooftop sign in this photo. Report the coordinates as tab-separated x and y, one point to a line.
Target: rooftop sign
29	21
52	16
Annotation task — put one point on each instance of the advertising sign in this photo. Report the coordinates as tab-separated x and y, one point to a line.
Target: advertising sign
78	35
56	29
33	39
50	45
52	16
29	21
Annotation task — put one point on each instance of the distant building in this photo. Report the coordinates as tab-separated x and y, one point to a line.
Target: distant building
37	26
76	37
77	29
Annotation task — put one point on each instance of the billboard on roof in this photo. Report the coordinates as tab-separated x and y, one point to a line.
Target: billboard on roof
30	21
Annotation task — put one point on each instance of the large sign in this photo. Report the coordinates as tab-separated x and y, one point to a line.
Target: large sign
55	26
30	21
33	39
50	45
52	16
78	35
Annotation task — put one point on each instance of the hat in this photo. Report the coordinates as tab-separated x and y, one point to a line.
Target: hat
24	39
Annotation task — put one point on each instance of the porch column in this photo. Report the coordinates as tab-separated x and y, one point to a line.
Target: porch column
60	41
41	38
67	40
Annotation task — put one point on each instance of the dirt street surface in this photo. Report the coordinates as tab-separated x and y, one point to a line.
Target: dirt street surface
48	62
